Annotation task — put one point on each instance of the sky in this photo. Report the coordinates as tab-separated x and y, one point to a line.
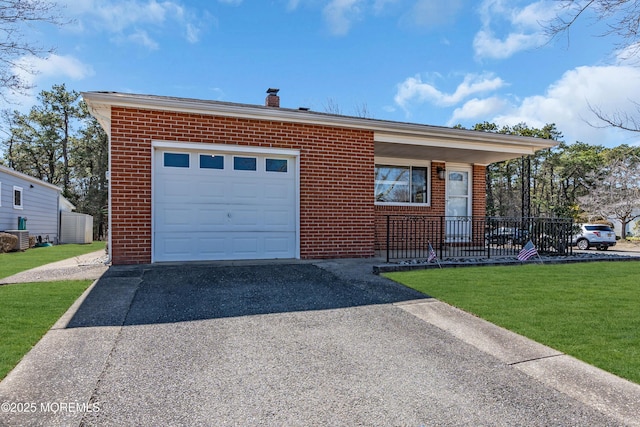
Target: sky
432	62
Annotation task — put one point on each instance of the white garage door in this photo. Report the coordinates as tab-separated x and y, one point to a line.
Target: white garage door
223	206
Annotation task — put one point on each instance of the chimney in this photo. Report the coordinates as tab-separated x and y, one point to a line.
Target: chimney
273	100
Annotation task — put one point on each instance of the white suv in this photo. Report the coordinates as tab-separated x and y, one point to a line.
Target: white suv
599	235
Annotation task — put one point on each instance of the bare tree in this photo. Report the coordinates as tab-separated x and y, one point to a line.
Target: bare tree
332	107
359	110
617	193
618	119
620	16
362	111
15	17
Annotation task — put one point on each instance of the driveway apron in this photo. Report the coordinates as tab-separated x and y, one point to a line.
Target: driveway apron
270	344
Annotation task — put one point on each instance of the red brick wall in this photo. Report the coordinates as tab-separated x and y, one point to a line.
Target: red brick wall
336	177
479	207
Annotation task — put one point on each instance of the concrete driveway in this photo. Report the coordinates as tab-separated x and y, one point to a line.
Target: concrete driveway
293	344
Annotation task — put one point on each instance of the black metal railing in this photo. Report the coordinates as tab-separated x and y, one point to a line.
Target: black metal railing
412	236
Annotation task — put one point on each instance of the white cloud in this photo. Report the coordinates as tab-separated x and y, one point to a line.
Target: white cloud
477	108
628	55
54	66
339	15
380	5
413	89
132	19
567	104
142	38
292	4
430	13
487	45
32	70
521	27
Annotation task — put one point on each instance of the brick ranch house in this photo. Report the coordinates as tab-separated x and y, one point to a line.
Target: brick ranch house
206	180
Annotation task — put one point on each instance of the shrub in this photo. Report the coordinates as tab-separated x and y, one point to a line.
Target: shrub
7	242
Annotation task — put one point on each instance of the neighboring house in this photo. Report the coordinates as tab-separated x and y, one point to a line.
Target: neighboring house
633	227
206	180
27	197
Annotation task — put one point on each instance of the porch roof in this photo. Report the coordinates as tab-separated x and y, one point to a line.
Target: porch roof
392	139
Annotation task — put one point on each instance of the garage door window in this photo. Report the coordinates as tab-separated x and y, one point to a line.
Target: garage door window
276	165
210	161
176	160
245	163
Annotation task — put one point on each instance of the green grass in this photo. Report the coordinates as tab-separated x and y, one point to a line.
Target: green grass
589	310
16	262
27	312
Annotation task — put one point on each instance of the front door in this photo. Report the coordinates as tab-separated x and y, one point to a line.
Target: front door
458	204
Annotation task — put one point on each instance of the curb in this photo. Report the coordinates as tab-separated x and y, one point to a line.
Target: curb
422	265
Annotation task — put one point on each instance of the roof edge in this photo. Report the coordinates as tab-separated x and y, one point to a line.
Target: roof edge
29	178
100	100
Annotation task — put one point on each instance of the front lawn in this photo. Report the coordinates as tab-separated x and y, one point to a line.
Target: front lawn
27	312
16	262
587	310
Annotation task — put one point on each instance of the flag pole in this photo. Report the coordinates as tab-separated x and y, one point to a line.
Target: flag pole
432	255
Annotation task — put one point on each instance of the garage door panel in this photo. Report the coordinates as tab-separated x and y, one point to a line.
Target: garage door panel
211	247
176	248
202	246
211	218
277	191
278	244
245	217
241	192
279	217
172	217
210	191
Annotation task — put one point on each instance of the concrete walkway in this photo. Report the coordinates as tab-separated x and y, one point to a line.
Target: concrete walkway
89	266
294	344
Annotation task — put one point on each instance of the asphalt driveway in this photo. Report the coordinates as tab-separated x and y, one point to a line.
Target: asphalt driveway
276	344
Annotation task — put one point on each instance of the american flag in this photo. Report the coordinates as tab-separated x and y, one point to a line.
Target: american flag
432	254
527	251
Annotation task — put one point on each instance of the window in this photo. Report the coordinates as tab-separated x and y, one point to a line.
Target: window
401	184
17	197
211	161
244	163
176	160
276	165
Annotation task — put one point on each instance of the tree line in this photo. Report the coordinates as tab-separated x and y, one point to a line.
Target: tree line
580	181
59	142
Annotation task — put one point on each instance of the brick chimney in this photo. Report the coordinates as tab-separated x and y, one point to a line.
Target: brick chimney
273	100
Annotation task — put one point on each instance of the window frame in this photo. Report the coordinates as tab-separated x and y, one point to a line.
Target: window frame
247	156
20	190
181	153
213	155
407	163
266	162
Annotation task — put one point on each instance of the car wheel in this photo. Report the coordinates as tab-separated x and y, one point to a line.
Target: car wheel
583	244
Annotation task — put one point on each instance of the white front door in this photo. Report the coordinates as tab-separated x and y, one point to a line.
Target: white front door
458	204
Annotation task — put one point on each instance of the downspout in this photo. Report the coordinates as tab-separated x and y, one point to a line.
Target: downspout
59	216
